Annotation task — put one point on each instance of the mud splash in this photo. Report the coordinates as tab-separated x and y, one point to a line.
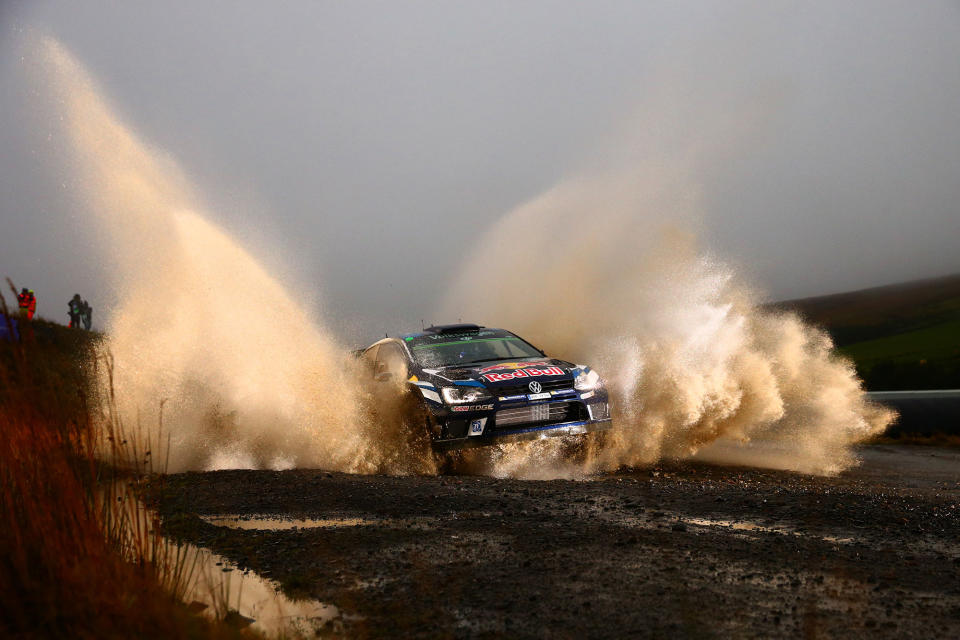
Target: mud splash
211	355
692	361
208	352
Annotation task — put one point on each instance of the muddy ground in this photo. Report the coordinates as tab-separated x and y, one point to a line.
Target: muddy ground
676	550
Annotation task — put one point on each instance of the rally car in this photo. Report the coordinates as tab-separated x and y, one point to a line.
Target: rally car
479	386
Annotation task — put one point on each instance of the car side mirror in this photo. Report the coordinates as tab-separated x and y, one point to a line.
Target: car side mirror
384	376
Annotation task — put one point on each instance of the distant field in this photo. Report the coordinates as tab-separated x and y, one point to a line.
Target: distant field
921	345
903	336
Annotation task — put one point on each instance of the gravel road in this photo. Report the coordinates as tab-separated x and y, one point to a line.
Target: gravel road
674	550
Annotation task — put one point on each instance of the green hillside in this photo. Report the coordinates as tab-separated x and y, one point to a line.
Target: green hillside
903	336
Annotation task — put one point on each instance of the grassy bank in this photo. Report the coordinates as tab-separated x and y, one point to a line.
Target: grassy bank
74	563
904	336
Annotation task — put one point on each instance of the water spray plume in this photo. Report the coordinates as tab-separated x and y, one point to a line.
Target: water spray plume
246	377
695	366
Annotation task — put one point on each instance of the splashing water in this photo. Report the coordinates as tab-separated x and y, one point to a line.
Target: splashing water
247	379
694	366
244	376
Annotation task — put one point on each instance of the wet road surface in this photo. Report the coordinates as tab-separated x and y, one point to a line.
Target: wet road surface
674	550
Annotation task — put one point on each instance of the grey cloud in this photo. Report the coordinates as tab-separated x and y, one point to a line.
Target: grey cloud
365	142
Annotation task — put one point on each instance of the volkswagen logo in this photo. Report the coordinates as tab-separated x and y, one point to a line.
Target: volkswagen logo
535	387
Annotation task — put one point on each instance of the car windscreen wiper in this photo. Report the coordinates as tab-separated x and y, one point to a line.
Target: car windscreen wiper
497	358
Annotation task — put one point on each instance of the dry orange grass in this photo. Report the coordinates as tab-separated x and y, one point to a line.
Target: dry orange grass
77	558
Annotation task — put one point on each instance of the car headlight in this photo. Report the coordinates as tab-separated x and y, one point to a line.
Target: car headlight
587	381
465	395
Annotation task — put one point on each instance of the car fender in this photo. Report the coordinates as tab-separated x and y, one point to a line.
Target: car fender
427	390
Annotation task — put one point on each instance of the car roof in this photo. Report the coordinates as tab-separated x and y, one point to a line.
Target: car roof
439	329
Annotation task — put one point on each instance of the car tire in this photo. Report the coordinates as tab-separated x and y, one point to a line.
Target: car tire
445	461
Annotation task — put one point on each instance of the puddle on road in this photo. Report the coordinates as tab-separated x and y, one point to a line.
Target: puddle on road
273	523
663	519
214	586
218	585
737	525
270	523
746	525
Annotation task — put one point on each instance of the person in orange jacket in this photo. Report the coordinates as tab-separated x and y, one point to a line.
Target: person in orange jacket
27	300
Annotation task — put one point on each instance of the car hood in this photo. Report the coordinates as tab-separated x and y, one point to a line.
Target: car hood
505	373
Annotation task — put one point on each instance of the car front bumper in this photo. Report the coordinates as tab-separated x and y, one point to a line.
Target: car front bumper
536	432
568	413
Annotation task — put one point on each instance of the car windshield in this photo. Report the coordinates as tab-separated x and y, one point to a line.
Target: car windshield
462	349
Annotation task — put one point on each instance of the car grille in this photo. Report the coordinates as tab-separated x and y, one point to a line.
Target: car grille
539	414
524	389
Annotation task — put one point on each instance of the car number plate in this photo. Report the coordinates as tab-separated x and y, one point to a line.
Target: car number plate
540	412
538	396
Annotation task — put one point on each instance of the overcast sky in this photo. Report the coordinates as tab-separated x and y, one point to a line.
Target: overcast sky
357	146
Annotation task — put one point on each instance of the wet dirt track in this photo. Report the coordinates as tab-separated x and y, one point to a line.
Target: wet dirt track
676	550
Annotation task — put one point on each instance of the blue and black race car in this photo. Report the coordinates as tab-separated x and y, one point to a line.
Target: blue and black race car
479	386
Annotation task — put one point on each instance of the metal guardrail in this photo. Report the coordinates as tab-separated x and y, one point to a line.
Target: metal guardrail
928	394
922	412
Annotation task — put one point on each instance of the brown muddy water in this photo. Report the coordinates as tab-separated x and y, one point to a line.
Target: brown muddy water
221	589
680	550
687	350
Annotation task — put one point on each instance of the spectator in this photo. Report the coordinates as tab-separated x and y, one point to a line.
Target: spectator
27	300
75	306
86	312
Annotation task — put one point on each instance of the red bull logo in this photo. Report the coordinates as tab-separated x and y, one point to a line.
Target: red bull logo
523	373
